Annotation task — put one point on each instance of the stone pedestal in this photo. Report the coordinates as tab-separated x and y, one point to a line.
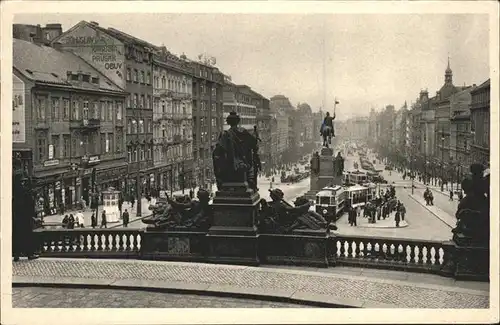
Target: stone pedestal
232	238
471	259
326	175
302	247
173	245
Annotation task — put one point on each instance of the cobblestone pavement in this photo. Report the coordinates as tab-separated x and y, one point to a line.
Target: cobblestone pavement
387	291
43	297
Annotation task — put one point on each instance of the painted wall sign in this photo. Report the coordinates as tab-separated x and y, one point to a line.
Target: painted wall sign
101	50
18	109
52	162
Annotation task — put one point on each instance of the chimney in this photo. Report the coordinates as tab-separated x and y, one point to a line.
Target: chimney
57	46
94	23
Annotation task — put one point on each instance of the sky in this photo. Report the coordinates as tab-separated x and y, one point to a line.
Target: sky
364	60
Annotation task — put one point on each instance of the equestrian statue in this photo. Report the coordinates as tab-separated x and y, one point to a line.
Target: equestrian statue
327	130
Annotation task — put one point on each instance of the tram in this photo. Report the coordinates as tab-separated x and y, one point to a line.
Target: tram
357	195
357	177
330	202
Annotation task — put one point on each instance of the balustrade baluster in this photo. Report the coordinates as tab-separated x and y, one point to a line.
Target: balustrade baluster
85	244
128	246
63	243
420	254
413	254
338	247
441	256
432	256
99	241
360	249
383	251
120	242
350	249
376	251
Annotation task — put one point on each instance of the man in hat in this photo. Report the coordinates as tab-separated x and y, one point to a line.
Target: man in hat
235	155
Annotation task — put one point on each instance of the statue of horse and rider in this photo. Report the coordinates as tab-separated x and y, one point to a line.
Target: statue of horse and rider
327	130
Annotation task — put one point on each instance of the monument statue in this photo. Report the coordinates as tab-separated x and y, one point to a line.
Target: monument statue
327	130
279	217
338	165
181	212
315	164
235	156
473	213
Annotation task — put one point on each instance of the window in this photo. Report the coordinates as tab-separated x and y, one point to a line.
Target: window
129	99
119	141
141	152
148	101
141	126
66	146
134	126
85	110
55	109
40	108
95	110
119	108
129	75
103	143
129	154
110	111
58	149
74	146
75	113
136	100
66	109
141	77
129	126
143	101
148	78
103	110
136	75
41	148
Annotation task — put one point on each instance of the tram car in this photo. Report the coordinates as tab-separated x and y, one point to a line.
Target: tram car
357	177
357	195
330	202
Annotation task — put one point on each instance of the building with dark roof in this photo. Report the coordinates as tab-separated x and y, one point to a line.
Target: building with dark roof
72	118
128	62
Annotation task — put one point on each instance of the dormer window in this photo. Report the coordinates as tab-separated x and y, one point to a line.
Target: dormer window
74	77
95	80
86	78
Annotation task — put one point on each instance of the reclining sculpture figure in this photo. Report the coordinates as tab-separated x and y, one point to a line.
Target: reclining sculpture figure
280	217
181	213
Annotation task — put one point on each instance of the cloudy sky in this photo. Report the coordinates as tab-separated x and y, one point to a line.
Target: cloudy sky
365	60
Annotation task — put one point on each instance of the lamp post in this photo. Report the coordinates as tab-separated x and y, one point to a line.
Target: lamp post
442	160
425	162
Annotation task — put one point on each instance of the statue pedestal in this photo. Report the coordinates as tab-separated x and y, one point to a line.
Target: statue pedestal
326	175
173	245
301	247
471	258
232	238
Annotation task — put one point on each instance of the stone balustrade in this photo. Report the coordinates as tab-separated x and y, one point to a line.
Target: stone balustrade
358	251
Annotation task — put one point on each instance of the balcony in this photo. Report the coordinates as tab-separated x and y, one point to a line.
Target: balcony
89	124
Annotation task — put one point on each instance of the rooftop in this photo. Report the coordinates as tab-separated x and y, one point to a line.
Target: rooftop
45	64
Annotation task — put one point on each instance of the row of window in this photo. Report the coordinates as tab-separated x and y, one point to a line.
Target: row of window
203	121
139	153
62	146
139	76
172	84
242	110
139	101
170	153
169	132
172	106
64	109
139	126
203	105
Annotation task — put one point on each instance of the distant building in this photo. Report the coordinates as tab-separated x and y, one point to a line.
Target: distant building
36	33
480	124
72	117
240	99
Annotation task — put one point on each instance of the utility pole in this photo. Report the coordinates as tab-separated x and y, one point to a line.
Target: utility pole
138	182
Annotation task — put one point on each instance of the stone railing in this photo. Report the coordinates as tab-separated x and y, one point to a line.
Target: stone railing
88	242
392	253
357	251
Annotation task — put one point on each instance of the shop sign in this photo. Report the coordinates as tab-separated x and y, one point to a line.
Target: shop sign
58	185
53	162
78	181
51	151
94	160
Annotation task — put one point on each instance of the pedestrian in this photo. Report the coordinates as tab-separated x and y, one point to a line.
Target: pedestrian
81	219
71	222
125	218
132	201
358	211
397	218
77	220
191	194
93	220
451	195
65	221
403	211
120	203
104	222
431	198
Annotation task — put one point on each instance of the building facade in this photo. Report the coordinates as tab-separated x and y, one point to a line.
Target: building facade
242	100
208	121
480	124
37	33
172	121
127	61
71	116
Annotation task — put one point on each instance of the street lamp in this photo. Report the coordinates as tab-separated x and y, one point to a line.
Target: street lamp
442	159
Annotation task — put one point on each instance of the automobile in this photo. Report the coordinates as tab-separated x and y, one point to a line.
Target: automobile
389	167
378	179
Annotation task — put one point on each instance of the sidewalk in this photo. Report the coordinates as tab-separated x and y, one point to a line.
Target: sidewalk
333	287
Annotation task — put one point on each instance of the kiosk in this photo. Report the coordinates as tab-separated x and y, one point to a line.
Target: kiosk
110	204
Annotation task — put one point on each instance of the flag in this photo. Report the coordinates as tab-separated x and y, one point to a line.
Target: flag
337	102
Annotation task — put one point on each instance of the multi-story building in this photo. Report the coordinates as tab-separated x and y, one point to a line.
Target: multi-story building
279	137
305	127
264	126
480	124
280	103
127	61
240	99
208	121
71	116
172	121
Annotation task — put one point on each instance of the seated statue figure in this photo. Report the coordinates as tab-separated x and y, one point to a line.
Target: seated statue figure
473	210
280	217
182	213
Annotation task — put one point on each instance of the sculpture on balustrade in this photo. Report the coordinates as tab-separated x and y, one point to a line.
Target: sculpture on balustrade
235	156
181	213
280	217
473	213
315	164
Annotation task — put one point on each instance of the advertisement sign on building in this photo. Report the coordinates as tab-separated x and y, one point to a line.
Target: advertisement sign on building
18	106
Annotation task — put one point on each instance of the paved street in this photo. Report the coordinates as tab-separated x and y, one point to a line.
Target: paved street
422	224
343	286
43	297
